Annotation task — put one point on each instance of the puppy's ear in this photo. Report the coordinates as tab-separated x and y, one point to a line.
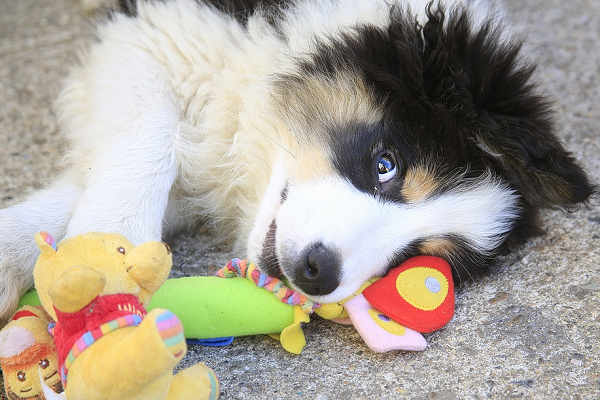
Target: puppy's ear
507	118
522	146
516	132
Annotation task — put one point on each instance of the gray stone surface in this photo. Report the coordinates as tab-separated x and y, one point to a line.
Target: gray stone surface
531	329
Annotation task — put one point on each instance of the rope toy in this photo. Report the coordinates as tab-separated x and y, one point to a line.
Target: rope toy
246	269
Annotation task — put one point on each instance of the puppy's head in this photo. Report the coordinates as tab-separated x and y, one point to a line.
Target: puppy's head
413	139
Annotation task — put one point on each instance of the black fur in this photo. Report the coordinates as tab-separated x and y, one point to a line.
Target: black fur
128	7
242	9
455	97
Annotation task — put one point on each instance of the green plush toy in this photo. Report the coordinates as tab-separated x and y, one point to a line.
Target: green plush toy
237	306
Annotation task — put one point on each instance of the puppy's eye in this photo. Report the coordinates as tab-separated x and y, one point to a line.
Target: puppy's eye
386	167
121	250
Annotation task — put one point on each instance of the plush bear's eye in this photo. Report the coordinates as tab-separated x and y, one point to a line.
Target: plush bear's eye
21	376
44	363
121	250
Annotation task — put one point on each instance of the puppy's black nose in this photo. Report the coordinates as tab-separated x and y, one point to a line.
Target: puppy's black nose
318	270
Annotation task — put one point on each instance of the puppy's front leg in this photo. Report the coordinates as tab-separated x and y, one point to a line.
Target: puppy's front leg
127	192
126	148
48	209
122	114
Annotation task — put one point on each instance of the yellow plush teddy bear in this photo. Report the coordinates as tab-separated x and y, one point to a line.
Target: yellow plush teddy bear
97	287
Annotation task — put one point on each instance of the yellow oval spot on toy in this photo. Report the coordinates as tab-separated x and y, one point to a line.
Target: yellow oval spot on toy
387	323
422	287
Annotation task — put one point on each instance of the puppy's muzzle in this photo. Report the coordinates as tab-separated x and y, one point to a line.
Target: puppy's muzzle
317	271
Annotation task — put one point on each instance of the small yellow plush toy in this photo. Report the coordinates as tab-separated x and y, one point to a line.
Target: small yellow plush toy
97	287
28	355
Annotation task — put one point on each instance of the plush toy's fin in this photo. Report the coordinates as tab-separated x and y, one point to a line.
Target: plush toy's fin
214	342
379	332
292	338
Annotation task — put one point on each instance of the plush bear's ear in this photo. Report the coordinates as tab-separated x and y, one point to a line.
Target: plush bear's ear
45	242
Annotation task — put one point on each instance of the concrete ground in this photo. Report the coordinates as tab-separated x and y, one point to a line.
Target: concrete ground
531	329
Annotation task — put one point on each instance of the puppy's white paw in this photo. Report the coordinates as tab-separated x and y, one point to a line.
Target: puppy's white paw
16	277
18	253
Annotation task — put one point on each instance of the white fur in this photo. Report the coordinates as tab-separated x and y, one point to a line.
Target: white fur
171	119
370	232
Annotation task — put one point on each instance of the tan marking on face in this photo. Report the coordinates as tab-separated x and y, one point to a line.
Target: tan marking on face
437	247
311	163
312	105
419	184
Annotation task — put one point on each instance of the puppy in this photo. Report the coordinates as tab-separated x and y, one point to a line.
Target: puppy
331	138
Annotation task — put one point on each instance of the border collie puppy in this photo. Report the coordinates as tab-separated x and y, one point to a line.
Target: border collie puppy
330	138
